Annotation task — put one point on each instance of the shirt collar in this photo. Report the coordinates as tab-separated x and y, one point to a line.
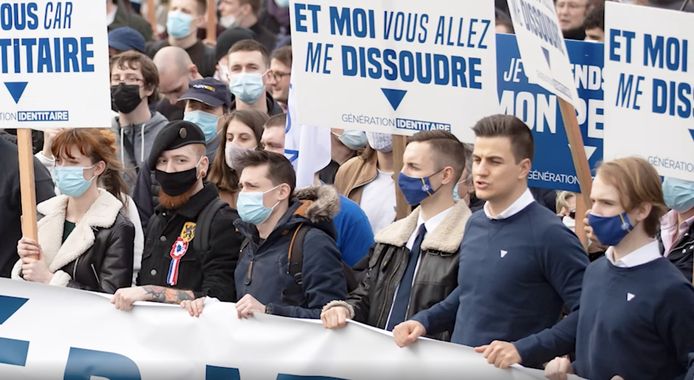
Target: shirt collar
434	221
519	204
669	221
643	255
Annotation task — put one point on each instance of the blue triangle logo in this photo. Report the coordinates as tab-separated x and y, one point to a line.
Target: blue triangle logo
394	97
546	54
691	132
16	89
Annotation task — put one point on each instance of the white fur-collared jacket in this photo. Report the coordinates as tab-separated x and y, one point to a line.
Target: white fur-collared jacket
98	253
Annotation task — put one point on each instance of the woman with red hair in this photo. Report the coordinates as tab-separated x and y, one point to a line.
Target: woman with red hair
85	241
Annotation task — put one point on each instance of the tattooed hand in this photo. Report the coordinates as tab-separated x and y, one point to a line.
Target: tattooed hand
124	298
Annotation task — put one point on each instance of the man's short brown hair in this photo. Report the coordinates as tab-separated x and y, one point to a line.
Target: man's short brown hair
255	5
284	55
637	182
515	129
279	120
251	45
445	148
138	61
279	169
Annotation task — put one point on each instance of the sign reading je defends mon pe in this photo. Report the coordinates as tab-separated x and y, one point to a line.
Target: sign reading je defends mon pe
394	67
53	64
649	87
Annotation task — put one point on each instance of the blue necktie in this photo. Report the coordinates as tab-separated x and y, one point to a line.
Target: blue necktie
402	298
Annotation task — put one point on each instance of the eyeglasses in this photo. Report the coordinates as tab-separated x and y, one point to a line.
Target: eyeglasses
277	75
128	79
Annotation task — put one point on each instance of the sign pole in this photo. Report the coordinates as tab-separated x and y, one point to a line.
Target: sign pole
578	154
402	209
211	21
27	184
152	16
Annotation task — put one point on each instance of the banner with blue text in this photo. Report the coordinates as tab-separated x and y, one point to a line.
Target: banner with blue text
57	333
395	67
53	64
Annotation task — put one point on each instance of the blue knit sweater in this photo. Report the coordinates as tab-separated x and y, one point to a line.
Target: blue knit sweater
636	322
515	276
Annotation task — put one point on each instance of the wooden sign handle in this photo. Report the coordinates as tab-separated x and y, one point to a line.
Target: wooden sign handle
211	21
578	154
402	209
27	184
152	16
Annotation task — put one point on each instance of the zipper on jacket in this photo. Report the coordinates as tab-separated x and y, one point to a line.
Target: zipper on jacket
95	275
74	268
388	286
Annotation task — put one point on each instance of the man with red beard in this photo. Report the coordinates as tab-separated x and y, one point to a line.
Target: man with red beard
176	266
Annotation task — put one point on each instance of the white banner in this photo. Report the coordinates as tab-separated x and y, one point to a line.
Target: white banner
55	333
542	47
54	64
394	66
649	87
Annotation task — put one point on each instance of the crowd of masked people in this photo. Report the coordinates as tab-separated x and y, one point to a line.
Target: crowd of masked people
188	199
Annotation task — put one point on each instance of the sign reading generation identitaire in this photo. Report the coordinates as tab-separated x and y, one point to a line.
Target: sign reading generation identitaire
53	64
394	66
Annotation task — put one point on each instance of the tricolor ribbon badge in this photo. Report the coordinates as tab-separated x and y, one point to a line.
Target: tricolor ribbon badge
178	249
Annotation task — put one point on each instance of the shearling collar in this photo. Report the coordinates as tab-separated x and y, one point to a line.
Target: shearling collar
445	238
57	254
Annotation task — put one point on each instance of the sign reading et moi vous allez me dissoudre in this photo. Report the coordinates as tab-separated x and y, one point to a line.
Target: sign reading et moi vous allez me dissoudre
649	87
53	64
394	66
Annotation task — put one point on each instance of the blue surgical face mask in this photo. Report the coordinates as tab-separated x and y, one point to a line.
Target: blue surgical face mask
206	121
70	180
415	189
678	194
353	140
610	230
178	24
251	207
248	87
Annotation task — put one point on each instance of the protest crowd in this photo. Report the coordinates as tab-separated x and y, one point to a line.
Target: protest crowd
189	196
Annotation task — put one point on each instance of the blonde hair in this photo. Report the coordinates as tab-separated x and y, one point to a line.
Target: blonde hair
637	182
563	200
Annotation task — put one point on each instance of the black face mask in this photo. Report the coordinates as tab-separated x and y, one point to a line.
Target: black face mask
125	97
176	183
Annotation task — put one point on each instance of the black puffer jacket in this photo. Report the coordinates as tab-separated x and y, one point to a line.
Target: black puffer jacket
97	255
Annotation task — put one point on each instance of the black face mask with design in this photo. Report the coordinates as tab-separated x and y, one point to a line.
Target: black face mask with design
125	97
176	183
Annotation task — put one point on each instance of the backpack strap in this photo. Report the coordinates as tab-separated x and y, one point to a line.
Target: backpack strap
295	255
201	242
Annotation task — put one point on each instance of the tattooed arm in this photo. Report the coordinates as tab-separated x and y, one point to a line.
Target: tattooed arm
167	295
124	298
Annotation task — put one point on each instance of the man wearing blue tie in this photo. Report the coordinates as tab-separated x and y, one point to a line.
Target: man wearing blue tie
519	265
414	262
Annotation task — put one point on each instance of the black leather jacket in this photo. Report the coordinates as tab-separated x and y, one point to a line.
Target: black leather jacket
435	279
108	265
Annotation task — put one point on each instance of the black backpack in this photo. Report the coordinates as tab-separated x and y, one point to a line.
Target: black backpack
201	242
296	259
